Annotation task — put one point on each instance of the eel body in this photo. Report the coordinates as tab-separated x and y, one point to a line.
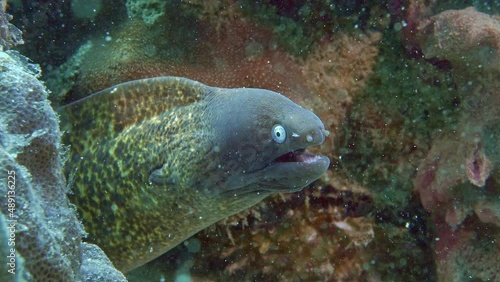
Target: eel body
154	161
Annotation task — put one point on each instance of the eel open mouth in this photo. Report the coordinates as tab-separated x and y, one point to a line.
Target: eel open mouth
297	156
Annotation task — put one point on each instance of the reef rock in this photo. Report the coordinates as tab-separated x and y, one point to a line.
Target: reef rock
10	35
38	220
464	37
459	174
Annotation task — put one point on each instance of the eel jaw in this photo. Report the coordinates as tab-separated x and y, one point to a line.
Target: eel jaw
295	156
293	171
307	162
289	172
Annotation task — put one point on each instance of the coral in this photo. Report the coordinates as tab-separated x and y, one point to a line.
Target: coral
48	234
219	14
10	35
458	180
243	56
299	26
62	79
466	253
338	71
389	127
465	37
413	16
31	150
326	226
95	265
452	180
147	10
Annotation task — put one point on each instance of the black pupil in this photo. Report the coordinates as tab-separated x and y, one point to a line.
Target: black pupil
278	134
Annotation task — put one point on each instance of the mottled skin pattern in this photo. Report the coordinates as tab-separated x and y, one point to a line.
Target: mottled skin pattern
154	161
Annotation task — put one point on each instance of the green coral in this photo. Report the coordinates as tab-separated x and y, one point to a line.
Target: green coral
148	10
300	27
406	103
288	33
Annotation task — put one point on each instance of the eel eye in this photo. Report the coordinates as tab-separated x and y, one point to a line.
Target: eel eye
278	133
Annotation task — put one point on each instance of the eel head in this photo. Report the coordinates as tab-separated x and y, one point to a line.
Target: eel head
262	137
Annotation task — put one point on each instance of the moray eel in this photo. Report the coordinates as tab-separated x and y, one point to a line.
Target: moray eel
154	161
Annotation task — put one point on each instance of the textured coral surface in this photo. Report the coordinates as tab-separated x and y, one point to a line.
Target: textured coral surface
44	235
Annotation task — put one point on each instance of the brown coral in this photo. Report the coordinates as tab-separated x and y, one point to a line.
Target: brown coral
465	37
337	71
471	41
243	56
322	225
453	160
457	181
219	14
466	253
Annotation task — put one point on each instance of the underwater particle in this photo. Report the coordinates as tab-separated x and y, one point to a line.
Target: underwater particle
398	26
85	9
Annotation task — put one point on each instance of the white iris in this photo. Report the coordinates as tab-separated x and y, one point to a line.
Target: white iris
278	133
